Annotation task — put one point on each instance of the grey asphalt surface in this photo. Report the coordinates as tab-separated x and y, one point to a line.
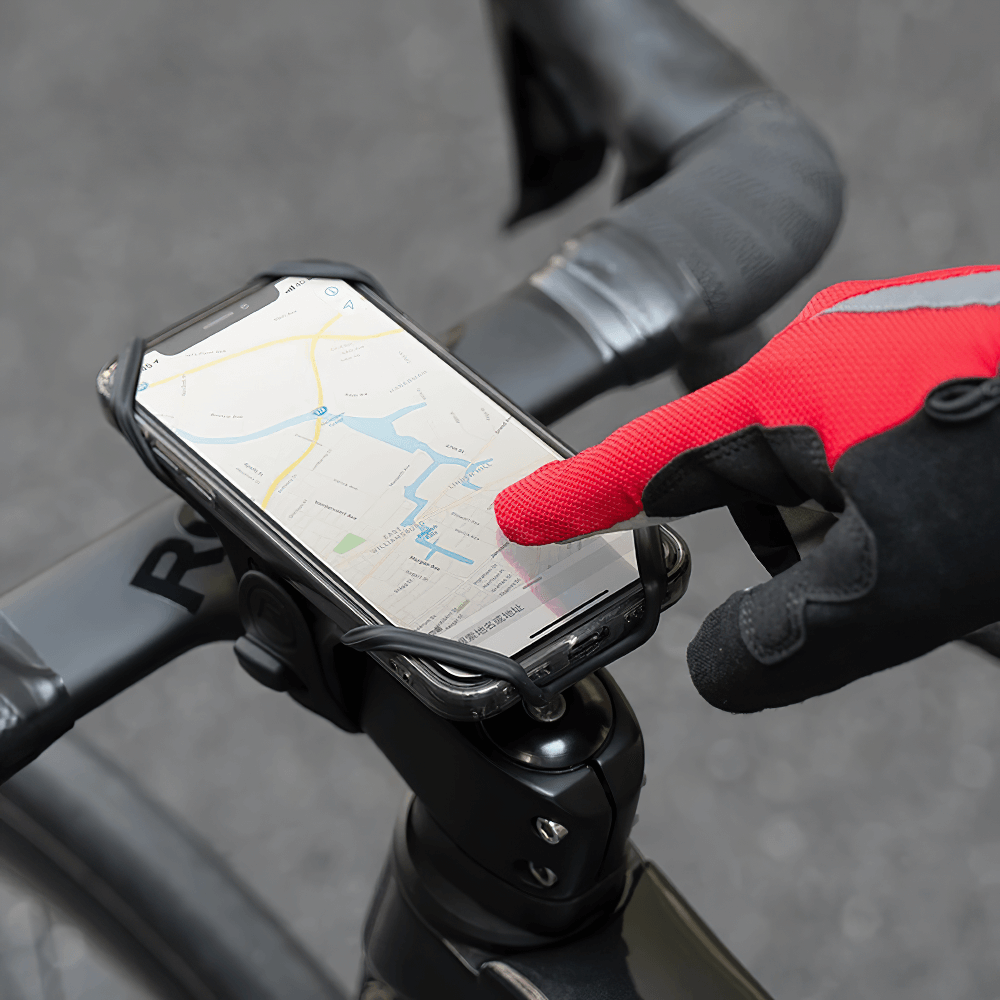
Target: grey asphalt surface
154	155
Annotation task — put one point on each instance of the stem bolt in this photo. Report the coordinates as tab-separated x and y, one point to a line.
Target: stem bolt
550	831
543	876
552	712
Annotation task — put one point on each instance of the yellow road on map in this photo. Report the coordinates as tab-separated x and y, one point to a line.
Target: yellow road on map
319	419
282	340
314	339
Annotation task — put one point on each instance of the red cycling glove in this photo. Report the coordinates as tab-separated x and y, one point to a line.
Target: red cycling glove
831	412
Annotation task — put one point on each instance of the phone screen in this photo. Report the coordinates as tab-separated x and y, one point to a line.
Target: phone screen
379	458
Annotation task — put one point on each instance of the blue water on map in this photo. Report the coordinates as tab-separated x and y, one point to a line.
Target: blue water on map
381	429
425	538
242	438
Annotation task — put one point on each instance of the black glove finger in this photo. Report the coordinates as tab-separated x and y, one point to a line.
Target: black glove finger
812	629
762	475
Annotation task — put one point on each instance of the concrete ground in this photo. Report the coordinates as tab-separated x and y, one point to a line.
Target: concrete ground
155	154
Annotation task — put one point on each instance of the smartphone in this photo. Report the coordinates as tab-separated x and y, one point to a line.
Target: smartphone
362	460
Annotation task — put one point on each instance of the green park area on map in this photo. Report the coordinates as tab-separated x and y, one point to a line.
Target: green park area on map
347	543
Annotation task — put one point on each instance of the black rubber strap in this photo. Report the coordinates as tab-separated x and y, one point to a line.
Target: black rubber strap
324	269
388	638
123	387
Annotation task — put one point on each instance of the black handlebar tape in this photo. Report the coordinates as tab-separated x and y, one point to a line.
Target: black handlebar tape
583	75
747	210
750	205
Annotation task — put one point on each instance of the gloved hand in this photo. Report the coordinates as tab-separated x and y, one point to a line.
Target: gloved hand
832	411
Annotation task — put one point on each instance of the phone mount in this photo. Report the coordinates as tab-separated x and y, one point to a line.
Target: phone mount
263	656
517	834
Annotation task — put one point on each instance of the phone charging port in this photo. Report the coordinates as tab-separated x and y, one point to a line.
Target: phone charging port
634	616
589	644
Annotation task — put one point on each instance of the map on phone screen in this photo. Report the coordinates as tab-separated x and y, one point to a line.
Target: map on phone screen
378	457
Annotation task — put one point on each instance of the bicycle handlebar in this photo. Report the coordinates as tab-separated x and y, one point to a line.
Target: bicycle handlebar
750	201
104	618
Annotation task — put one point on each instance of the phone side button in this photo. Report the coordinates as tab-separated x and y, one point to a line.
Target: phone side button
170	464
206	494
